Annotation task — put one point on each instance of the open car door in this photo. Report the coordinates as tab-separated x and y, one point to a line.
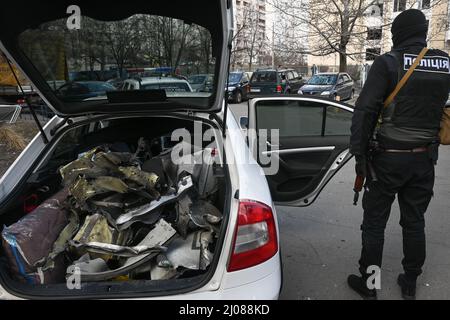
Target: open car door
312	144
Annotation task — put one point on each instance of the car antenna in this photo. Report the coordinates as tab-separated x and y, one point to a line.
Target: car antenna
225	112
26	99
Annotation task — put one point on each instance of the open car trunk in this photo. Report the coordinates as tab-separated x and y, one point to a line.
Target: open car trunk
115	208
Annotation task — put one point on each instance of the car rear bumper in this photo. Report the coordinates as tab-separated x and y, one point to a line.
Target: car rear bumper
261	282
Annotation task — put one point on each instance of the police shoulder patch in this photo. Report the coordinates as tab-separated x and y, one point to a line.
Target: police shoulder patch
439	64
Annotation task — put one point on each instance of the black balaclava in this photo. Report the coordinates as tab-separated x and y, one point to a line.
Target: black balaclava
409	24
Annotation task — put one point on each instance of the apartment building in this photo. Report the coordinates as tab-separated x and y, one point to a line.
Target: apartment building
251	44
373	36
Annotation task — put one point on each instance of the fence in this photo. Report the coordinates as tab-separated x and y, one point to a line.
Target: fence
9	113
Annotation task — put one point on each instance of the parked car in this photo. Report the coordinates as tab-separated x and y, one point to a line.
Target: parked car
201	82
93	75
238	86
244	262
330	85
82	90
170	85
273	81
116	82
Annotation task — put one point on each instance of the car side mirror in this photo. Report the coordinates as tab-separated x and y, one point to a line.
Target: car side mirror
243	122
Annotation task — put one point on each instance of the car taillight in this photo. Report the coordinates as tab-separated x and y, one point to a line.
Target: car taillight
20	101
279	89
255	237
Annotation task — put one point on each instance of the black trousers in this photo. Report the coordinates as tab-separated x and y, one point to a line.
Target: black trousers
410	176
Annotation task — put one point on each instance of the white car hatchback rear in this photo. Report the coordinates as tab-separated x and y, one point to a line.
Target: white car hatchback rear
286	150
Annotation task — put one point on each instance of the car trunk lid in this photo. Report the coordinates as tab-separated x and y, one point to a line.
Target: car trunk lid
52	27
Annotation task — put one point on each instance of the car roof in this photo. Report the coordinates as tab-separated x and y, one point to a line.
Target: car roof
149	80
266	70
218	22
273	70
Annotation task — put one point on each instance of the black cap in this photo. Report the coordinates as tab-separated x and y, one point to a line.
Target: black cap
408	24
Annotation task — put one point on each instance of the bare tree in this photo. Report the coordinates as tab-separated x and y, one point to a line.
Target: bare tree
331	24
334	26
250	37
174	35
205	48
123	40
288	43
237	42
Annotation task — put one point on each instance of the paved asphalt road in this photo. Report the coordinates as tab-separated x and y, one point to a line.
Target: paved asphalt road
321	243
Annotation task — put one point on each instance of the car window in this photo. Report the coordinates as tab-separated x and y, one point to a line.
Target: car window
338	121
261	77
197	79
168	87
290	75
323	79
303	118
295	74
346	77
93	87
64	90
57	52
244	78
76	89
291	118
99	87
234	77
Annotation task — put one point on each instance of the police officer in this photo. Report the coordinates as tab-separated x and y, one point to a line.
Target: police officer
403	162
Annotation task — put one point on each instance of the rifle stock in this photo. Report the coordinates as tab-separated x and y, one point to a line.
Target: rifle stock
359	183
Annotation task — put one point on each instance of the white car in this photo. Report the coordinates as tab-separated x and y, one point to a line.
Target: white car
312	147
170	85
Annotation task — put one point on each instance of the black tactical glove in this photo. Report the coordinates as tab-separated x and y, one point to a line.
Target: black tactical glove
361	166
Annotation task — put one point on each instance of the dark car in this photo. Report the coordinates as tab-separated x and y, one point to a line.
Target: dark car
82	90
201	82
238	86
330	85
273	81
